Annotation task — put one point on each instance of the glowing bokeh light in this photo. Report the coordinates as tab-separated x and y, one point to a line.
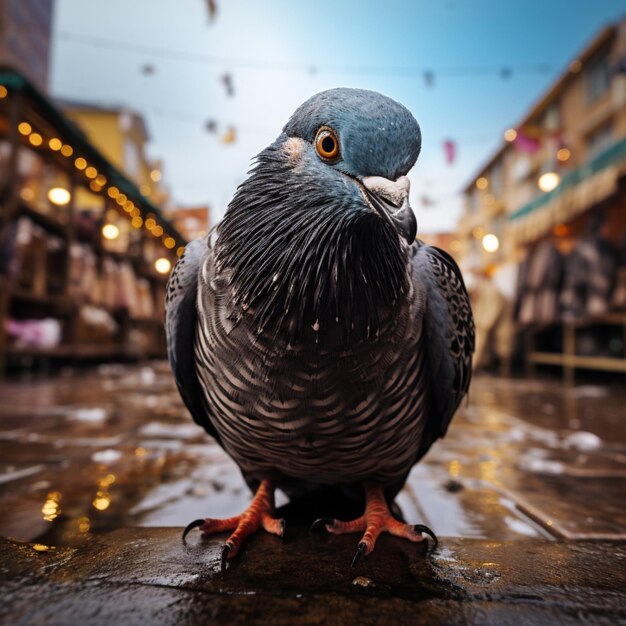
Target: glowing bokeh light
59	196
110	231
490	242
510	134
163	265
548	181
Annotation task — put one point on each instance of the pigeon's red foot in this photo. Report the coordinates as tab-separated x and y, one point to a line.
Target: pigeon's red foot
376	520
257	515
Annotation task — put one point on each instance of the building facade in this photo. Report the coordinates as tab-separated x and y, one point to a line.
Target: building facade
25	27
566	157
121	135
543	232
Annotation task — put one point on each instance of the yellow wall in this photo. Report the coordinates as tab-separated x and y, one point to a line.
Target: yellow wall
103	130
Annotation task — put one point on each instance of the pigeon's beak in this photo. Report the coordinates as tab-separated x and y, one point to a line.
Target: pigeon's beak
390	199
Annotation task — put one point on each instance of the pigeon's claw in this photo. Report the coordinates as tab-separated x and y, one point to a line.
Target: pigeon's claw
376	520
195	524
360	550
424	530
226	548
257	515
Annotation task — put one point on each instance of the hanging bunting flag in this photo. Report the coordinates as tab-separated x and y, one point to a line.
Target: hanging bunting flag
449	149
230	136
524	142
227	81
427	201
211	6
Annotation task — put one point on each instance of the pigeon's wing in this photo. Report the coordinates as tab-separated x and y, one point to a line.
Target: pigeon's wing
180	326
448	328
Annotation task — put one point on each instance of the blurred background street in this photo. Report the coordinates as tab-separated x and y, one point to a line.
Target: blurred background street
125	129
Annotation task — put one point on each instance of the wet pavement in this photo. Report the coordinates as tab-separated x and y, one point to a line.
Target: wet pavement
529	471
144	576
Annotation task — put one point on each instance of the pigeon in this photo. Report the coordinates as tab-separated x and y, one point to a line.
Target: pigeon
311	334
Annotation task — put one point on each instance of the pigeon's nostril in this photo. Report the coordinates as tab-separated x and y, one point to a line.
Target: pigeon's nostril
394	192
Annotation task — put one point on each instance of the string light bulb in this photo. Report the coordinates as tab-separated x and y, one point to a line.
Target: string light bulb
110	231
59	196
548	181
163	265
490	243
482	183
563	154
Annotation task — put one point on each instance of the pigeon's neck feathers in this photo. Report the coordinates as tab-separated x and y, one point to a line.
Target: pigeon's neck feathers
300	257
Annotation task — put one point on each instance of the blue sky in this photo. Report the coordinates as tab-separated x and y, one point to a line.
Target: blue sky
270	48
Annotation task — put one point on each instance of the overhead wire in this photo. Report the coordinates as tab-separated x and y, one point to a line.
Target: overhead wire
504	70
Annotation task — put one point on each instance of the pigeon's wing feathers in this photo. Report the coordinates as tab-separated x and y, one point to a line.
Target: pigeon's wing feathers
448	335
180	325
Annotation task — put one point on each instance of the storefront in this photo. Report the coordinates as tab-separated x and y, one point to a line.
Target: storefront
84	257
571	302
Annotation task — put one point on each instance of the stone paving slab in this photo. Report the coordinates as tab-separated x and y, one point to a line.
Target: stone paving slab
146	576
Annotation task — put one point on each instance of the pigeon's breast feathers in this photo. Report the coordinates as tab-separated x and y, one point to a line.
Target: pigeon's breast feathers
317	235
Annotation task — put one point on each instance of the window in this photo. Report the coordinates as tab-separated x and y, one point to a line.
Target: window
599	139
597	77
497	178
471	201
552	119
132	159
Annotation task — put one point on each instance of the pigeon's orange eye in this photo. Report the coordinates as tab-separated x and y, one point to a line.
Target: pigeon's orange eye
327	143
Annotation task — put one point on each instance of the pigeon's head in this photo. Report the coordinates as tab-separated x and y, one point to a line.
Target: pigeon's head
319	232
366	137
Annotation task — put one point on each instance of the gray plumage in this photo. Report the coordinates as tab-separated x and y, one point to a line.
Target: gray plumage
305	333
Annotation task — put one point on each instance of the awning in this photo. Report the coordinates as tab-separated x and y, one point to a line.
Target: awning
579	190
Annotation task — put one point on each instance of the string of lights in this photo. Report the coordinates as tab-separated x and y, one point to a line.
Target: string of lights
97	183
504	71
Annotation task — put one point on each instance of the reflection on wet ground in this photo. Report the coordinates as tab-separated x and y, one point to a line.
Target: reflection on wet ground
93	450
